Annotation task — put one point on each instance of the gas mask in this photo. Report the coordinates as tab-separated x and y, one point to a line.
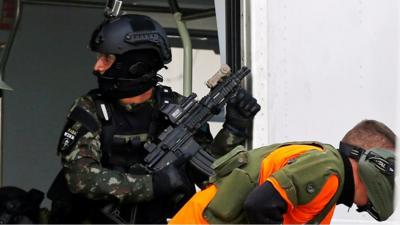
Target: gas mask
376	169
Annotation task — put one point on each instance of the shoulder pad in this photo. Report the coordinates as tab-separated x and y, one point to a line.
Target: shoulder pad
81	120
84	111
82	116
304	177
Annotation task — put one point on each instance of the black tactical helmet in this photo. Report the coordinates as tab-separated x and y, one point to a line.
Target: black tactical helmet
131	32
141	48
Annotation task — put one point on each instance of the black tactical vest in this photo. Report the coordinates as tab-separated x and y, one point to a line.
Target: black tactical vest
123	136
124	131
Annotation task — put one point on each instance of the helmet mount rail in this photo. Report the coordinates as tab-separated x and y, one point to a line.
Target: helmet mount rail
153	37
122	34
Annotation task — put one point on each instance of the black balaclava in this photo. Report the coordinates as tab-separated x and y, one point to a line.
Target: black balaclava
132	74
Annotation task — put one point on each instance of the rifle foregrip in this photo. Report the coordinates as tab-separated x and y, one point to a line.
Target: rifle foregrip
202	161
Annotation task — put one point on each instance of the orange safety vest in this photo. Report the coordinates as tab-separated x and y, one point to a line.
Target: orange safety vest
193	211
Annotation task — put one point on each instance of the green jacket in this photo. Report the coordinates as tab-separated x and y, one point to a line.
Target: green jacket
238	174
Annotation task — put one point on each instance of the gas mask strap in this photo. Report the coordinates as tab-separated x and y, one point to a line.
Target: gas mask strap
351	151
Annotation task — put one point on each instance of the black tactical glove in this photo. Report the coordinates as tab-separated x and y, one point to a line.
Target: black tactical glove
240	110
169	180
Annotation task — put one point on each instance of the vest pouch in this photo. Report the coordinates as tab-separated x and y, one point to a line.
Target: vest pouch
236	158
227	204
305	177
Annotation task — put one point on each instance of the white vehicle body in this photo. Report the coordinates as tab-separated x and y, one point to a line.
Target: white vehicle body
318	68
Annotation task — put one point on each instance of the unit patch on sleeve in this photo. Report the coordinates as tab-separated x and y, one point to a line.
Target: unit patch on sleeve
68	139
72	132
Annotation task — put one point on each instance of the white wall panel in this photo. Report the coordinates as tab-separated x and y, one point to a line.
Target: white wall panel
327	65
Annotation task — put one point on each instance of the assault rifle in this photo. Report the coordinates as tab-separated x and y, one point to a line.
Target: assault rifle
176	141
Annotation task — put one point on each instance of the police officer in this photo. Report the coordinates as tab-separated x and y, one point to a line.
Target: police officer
300	182
101	145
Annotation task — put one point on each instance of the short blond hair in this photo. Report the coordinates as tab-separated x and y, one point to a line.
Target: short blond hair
371	134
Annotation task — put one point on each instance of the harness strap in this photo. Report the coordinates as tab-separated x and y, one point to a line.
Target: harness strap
104	109
163	95
79	114
104	112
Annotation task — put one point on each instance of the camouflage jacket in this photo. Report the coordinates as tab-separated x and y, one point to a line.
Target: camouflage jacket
80	150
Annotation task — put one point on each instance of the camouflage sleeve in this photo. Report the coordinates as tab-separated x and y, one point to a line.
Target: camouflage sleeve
83	170
224	142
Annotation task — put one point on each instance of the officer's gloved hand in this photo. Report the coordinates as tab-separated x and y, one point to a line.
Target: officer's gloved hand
240	110
169	180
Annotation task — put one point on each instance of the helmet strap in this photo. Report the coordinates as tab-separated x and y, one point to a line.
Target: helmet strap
369	208
354	152
351	151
